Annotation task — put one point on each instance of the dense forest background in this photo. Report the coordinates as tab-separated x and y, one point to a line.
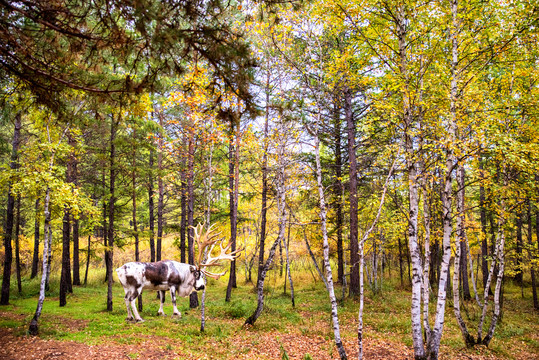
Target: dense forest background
363	140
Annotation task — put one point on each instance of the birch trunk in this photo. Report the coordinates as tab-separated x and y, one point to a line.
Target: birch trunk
433	346
411	165
47	240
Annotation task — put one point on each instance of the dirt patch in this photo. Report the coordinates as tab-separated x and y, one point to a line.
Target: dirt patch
27	347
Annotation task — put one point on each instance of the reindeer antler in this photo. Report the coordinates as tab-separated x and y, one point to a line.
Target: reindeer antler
209	239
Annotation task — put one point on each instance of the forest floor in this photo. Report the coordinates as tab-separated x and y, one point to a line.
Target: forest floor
85	330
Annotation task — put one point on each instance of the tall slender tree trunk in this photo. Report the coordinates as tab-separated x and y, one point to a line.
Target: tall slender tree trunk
263	211
87	260
33	329
8	230
65	278
151	208
354	254
74	178
461	234
111	208
338	192
233	183
134	200
66	258
193	298
17	245
161	190
286	247
530	254
483	214
35	258
183	221
76	252
518	261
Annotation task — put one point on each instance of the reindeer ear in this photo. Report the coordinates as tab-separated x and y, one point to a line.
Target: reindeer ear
192	268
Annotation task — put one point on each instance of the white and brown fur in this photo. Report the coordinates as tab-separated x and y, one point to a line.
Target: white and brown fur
161	276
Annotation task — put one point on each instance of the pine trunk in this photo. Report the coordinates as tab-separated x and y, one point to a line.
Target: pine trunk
518	261
530	254
111	208
484	234
461	234
151	208
35	258
75	229
10	214
354	250
183	221
17	245
161	191
338	193
193	298
233	184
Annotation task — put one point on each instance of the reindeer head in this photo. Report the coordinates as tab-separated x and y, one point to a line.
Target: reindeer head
209	238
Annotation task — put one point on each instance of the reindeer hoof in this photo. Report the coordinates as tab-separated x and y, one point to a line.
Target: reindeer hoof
162	314
129	319
179	315
140	320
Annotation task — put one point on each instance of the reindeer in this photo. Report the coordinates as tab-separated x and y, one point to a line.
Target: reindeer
172	275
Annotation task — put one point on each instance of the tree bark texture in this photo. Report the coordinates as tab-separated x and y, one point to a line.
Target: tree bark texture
338	192
35	258
461	234
193	298
233	183
354	255
17	245
75	230
263	211
530	254
8	231
47	241
161	190
483	215
111	207
151	208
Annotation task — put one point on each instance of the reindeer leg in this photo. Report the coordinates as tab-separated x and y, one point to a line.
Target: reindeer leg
173	297
162	297
127	305
133	298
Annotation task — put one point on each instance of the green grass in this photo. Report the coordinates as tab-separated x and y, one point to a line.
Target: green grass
386	317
